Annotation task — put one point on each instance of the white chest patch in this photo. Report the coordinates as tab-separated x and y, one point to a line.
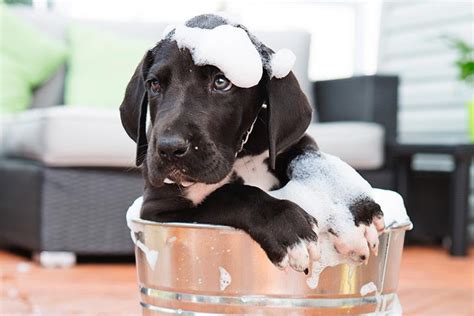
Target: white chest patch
254	171
199	191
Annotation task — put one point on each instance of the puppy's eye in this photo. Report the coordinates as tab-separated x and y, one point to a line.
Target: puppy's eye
221	83
155	86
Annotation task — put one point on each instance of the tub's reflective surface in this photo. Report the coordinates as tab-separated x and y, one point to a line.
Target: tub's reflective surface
187	277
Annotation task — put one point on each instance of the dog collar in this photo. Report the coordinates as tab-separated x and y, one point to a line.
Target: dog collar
245	137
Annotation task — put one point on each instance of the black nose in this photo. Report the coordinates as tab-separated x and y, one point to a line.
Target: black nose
173	146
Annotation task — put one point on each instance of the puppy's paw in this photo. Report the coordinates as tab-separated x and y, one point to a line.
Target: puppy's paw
372	237
289	237
300	254
358	237
367	212
352	243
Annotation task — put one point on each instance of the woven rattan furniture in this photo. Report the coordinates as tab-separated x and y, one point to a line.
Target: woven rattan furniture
76	210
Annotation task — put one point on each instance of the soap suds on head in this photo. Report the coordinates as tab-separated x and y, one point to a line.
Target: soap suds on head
227	47
281	63
225	279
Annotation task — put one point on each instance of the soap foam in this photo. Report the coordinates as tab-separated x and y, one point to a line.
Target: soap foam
325	187
134	213
227	47
368	288
281	63
329	258
225	279
232	49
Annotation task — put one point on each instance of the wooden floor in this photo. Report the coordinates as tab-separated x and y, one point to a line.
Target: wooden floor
431	283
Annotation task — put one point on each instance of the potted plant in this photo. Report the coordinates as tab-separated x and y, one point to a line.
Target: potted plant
465	65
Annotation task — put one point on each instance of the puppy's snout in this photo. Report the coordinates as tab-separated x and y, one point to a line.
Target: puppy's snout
172	147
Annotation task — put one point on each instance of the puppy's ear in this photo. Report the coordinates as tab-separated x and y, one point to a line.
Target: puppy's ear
289	114
133	109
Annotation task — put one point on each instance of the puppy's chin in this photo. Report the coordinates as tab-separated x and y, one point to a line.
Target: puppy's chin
156	173
208	171
215	172
156	179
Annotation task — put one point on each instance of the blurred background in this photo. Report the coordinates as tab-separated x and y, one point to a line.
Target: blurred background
391	83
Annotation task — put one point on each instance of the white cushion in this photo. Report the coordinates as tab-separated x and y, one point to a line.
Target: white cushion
78	137
66	136
360	144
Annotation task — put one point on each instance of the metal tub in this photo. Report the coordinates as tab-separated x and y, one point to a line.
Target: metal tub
185	274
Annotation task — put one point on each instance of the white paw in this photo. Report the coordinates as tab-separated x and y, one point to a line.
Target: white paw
298	256
372	237
356	243
301	254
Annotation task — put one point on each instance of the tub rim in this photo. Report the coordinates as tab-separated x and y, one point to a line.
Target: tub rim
407	225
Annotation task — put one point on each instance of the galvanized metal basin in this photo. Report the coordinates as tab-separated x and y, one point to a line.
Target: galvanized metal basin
187	277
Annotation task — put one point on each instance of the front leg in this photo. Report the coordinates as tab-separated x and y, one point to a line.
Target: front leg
287	234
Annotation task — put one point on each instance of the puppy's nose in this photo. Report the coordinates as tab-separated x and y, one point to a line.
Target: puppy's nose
173	146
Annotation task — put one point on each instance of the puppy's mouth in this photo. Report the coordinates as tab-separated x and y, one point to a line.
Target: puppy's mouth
208	166
180	178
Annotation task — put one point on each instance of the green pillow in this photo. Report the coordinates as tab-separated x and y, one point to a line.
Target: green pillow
100	65
27	58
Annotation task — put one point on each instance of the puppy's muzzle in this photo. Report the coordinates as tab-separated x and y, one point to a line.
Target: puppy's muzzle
172	147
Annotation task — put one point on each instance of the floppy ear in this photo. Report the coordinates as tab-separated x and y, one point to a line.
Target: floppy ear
134	106
289	114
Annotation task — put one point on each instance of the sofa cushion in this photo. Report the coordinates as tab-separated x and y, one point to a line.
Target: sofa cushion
55	25
360	144
74	137
100	66
27	58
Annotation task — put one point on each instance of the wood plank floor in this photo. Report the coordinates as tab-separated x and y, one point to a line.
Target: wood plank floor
431	283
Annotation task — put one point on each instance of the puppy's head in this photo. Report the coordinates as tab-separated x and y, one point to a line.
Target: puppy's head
200	118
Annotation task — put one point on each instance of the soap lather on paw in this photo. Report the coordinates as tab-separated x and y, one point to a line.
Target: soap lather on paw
340	199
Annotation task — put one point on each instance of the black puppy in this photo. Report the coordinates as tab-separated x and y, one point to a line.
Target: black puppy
213	148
